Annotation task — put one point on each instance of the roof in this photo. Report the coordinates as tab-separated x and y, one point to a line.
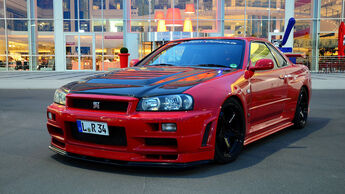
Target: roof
217	38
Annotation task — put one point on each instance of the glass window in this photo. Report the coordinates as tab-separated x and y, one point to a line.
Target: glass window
16	8
303	9
234	9
17	25
207	26
2	46
141	8
331	9
2	11
115	4
66	9
257	26
278	9
45	25
46	63
2	38
206	53
84	9
234	28
84	26
97	4
115	10
98	25
45	43
45	9
259	51
115	25
207	9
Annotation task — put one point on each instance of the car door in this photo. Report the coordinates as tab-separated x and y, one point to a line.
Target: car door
268	88
291	72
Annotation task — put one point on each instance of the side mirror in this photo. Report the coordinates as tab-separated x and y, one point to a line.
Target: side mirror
133	62
262	64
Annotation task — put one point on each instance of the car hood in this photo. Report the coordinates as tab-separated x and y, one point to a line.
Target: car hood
145	81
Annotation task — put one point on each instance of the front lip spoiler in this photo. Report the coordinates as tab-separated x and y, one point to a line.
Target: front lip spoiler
126	163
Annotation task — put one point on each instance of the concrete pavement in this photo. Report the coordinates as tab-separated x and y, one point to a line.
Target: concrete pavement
311	160
52	80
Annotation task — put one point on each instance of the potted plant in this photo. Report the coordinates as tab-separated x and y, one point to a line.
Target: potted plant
123	57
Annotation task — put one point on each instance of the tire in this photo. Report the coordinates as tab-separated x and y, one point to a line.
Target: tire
301	114
230	132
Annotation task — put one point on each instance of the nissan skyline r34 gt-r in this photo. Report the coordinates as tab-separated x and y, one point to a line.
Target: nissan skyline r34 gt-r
190	101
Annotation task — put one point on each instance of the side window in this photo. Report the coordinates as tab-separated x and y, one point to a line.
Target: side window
259	51
281	61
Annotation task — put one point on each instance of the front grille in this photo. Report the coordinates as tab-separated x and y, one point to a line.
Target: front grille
108	105
117	136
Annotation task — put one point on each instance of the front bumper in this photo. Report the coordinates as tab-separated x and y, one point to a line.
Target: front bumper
126	163
191	145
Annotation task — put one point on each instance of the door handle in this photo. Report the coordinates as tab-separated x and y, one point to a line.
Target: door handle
285	76
282	77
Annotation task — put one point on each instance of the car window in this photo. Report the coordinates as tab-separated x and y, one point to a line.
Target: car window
259	51
202	53
170	55
281	61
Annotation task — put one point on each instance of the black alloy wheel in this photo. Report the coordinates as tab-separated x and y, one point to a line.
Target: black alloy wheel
301	114
230	132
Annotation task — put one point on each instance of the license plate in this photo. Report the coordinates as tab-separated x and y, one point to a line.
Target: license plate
92	127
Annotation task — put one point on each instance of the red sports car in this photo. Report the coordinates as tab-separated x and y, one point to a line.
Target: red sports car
191	101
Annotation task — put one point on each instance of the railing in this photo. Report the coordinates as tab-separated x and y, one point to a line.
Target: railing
327	64
331	64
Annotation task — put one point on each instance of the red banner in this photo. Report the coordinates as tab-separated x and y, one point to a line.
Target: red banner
341	34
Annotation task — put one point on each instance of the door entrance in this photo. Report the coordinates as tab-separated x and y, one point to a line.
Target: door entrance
80	51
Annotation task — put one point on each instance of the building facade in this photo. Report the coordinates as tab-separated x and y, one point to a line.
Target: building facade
61	35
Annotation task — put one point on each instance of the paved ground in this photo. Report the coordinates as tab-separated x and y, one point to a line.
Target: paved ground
311	160
52	80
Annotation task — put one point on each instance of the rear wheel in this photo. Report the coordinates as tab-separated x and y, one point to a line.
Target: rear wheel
230	132
301	114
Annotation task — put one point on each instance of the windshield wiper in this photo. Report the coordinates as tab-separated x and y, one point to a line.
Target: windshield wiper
211	65
162	64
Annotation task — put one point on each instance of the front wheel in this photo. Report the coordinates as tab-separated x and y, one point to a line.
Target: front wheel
301	114
230	132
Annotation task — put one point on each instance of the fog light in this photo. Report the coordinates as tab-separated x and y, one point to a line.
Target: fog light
170	127
50	116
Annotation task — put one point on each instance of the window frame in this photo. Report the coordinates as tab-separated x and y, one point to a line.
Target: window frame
285	63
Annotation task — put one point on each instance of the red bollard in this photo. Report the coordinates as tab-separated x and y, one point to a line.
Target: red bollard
123	59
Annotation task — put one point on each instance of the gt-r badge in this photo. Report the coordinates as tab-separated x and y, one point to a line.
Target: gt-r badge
96	105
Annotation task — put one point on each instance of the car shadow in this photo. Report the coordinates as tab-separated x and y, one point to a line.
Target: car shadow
252	154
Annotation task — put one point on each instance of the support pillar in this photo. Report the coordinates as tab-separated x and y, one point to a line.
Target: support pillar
220	17
289	12
59	36
315	35
32	30
126	21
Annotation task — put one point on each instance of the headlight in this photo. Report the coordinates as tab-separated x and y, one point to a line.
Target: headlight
176	102
60	96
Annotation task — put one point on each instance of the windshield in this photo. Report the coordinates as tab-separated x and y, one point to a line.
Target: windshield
203	53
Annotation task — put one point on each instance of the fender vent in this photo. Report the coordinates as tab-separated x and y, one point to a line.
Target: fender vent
206	134
58	142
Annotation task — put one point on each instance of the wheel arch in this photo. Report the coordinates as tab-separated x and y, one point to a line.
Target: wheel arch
241	101
308	90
